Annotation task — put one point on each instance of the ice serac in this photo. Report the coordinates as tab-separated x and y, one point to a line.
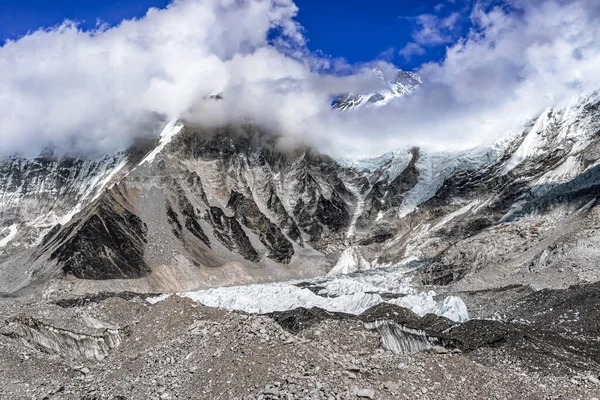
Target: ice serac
350	261
345	294
400	339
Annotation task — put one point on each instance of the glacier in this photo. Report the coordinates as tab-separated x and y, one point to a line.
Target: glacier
350	294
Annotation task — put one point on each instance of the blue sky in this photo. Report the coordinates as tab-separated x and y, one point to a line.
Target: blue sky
356	30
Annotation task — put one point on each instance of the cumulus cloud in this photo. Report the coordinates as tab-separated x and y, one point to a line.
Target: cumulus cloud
519	58
94	91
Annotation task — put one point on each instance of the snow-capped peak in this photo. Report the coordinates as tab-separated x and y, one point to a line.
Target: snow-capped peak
398	83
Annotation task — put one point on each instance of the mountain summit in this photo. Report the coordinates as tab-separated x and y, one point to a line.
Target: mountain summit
397	83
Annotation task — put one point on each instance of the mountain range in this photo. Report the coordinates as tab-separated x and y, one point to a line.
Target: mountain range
203	207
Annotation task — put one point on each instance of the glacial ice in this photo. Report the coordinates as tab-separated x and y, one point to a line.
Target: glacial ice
347	294
350	261
399	339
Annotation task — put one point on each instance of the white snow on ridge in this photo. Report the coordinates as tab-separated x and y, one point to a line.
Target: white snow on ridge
435	168
353	295
172	129
531	144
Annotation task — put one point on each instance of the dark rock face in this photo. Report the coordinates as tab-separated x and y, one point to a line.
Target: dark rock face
108	244
280	249
231	234
303	192
191	219
174	220
443	271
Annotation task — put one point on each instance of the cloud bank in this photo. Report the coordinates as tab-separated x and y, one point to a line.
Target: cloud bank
93	92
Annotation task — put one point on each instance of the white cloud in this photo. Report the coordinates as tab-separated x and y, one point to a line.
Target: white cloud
92	90
95	91
517	60
411	49
433	30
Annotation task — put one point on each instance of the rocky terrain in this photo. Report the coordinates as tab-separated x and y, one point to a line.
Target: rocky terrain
179	349
217	263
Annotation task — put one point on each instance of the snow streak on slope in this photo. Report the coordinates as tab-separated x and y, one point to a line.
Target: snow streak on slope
350	296
531	144
358	210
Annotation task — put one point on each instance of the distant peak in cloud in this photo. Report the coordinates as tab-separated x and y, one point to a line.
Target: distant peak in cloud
95	91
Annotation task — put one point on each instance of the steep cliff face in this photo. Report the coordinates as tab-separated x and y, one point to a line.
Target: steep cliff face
36	194
211	207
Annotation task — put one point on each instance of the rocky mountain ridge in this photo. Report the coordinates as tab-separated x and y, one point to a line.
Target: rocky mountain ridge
227	206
